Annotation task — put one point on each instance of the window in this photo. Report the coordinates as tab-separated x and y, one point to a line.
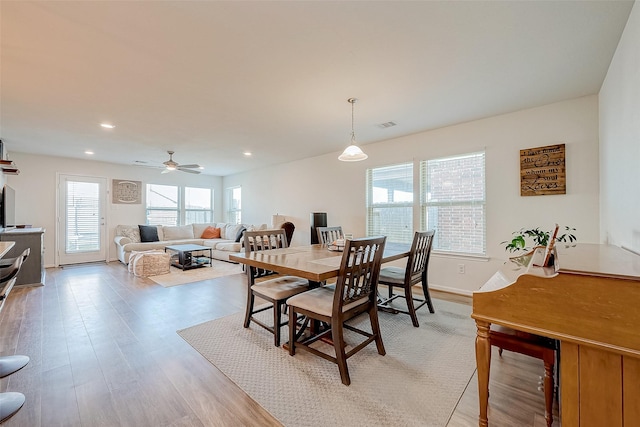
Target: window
390	202
162	205
453	202
198	206
166	207
234	205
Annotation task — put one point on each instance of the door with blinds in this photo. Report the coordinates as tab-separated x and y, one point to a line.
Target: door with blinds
81	219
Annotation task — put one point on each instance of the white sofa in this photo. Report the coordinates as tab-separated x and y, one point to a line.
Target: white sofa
127	238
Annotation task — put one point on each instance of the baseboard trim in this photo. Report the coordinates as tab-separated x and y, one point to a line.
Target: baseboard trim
450	290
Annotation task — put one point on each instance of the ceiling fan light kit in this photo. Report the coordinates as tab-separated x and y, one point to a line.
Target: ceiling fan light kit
352	153
171	165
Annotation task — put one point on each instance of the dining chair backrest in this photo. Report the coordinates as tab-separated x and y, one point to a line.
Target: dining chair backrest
8	279
6	262
419	255
265	239
359	271
327	235
9	272
288	228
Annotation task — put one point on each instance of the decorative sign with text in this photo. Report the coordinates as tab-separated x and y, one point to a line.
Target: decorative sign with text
126	192
542	171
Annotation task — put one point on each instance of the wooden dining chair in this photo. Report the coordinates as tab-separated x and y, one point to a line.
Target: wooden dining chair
327	235
532	345
414	272
354	294
275	290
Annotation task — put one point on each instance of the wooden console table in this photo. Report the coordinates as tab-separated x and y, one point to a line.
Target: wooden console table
590	302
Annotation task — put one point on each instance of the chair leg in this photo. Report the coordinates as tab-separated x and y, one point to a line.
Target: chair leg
375	328
249	309
390	288
341	357
411	308
277	314
427	295
292	331
548	393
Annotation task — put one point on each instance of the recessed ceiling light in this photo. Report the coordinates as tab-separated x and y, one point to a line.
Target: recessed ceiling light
88	152
247	153
107	125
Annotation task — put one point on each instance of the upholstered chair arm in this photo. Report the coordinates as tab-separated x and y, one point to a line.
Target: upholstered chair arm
121	240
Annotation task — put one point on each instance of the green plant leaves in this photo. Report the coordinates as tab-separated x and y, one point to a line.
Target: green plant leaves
537	237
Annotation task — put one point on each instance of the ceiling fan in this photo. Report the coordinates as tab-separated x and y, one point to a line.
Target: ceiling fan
171	166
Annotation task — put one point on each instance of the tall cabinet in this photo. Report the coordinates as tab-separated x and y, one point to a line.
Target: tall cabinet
32	271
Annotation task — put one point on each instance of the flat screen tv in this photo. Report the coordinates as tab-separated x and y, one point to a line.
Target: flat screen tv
8	208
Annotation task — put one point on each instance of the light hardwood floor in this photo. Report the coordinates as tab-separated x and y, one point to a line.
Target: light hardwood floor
104	352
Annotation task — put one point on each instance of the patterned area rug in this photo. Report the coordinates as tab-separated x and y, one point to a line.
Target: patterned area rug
178	277
417	383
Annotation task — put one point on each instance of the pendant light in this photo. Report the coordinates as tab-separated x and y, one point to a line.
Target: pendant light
352	153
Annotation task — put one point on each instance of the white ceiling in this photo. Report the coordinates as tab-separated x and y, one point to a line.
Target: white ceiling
210	80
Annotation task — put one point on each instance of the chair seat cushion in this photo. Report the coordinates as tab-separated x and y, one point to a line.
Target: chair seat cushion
395	276
320	300
281	287
499	332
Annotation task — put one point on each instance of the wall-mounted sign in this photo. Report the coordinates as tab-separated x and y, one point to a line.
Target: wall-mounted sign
542	171
126	192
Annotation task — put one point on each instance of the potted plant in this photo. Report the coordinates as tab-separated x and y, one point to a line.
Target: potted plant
527	239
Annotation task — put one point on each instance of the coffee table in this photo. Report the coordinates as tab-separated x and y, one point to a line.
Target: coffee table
182	257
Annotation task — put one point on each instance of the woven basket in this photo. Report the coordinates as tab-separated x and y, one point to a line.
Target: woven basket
149	263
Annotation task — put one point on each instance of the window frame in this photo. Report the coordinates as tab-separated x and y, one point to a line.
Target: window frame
372	206
149	209
208	212
232	212
180	209
454	202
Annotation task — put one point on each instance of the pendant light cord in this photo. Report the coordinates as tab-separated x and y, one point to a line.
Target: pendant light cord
353	133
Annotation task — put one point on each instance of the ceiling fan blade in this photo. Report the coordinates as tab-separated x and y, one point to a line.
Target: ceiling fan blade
180	168
190	166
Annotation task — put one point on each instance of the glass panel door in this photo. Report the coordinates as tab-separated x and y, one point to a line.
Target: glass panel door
82	228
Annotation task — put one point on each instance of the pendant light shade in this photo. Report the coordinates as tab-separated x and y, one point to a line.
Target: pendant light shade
352	153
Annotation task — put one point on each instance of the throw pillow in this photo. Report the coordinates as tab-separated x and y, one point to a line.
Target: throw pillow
130	232
241	231
211	233
148	233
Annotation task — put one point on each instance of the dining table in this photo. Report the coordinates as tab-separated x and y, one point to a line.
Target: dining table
316	263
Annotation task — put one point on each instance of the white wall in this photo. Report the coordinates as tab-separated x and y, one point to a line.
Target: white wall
323	184
620	141
36	192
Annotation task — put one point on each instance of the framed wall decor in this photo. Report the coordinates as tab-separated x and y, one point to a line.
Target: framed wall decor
126	192
543	171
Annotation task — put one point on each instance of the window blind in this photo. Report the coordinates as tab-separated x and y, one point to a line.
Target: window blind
82	217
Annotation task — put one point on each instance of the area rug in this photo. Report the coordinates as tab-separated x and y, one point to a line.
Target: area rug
417	383
178	277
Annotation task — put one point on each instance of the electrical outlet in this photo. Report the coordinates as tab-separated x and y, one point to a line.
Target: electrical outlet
461	268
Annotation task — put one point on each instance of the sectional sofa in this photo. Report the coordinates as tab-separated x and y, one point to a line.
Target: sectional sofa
128	238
